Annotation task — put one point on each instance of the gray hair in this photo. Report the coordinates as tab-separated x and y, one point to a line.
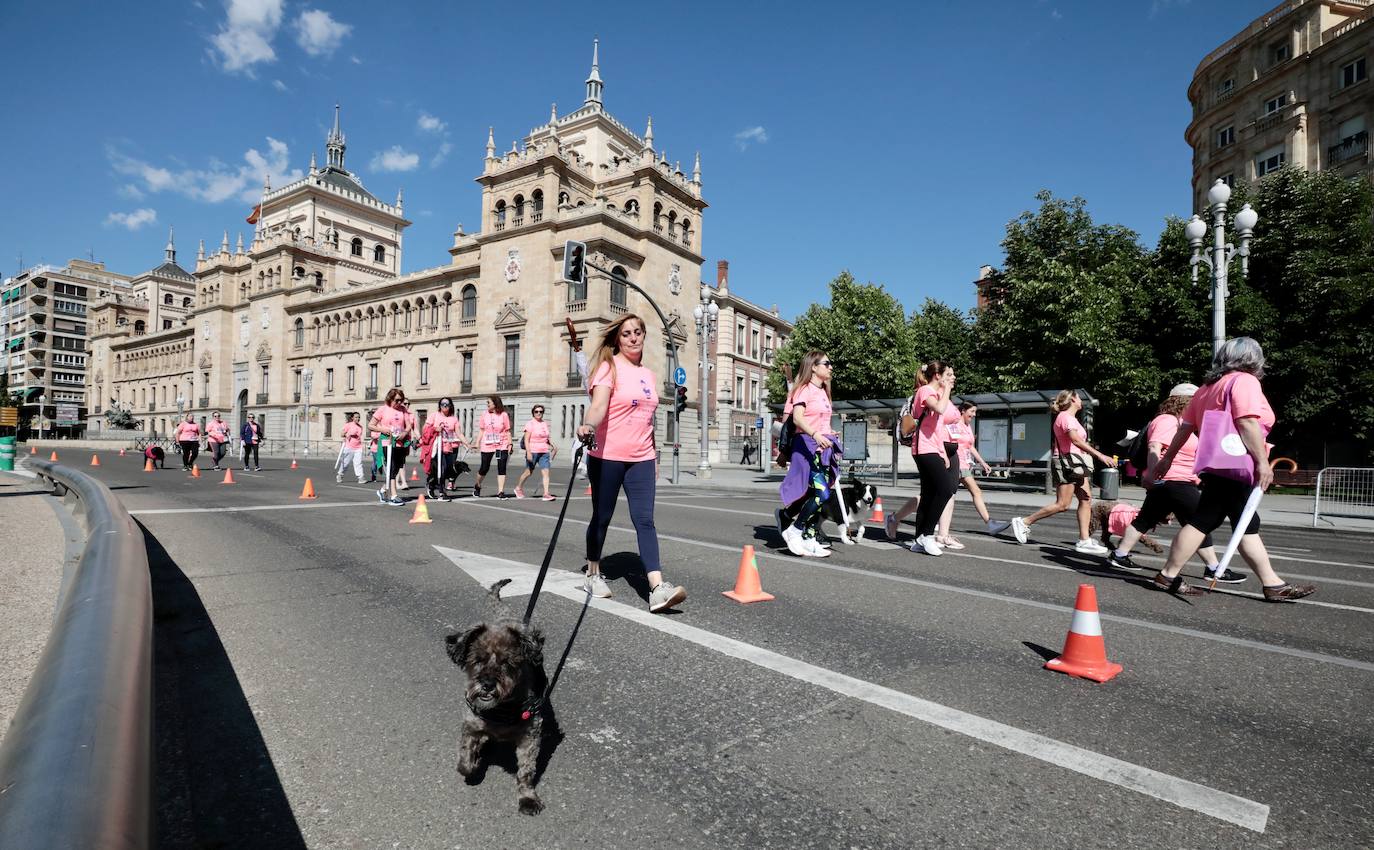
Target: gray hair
1241	354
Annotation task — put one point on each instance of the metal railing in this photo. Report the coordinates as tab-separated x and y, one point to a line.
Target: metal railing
1344	491
1354	146
507	382
76	765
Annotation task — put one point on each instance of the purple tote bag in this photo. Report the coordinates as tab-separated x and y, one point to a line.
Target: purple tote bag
1220	450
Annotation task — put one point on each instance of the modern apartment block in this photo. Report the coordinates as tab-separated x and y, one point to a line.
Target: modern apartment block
1292	87
43	313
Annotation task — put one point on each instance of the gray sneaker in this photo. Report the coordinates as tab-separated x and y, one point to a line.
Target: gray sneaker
666	596
598	586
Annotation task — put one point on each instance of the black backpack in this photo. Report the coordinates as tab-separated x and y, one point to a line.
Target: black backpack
1138	450
786	436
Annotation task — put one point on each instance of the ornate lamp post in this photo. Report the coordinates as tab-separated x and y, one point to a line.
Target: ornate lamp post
705	314
1222	251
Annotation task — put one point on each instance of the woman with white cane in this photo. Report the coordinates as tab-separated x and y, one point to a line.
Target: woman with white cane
1232	417
446	439
350	451
391	422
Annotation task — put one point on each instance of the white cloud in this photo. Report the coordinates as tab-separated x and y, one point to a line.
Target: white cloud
1056	14
132	220
429	124
355	60
395	158
750	135
318	33
441	155
130	191
280	86
217	182
245	37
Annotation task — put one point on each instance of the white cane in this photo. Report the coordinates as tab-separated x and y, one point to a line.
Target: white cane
390	475
338	460
439	461
1246	514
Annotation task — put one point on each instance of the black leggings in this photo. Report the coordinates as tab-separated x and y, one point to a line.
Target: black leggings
250	448
1222	499
432	478
190	450
502	455
938	484
1169	497
804	513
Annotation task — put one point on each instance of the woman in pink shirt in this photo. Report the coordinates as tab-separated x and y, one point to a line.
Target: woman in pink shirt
187	436
448	436
1068	438
621	417
392	423
809	407
217	437
937	457
538	452
961	432
1233	380
493	441
351	452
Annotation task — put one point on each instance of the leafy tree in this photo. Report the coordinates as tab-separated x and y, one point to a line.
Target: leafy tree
117	419
864	330
944	332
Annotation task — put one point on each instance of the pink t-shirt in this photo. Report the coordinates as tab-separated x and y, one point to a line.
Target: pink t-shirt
353	436
188	431
1064	425
1162	430
447	429
1121	516
818	408
390	420
536	437
933	431
963	435
1247	399
495	428
627	432
217	431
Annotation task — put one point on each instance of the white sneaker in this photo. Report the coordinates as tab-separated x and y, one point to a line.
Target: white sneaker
890	526
666	596
1089	547
814	548
338	478
997	526
926	543
795	540
1018	528
598	586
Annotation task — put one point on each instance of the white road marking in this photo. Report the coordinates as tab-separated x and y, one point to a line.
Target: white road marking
1171	789
234	510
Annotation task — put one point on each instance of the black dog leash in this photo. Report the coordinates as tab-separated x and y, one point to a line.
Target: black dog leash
585	443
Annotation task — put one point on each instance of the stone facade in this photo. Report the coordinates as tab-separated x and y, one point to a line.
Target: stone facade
1291	88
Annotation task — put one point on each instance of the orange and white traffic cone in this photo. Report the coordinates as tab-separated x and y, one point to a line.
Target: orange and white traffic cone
228	476
748	587
195	471
421	511
33	450
308	491
95	460
588	491
1085	653
148	465
415	475
293	463
54	457
878	516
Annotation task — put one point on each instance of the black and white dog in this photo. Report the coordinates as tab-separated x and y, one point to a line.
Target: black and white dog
849	507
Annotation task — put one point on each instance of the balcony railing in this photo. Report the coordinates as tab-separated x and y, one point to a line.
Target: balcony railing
465	386
518	221
1270	121
152	406
577	306
1348	149
618	309
204	402
535	218
499	226
295	398
1225	94
507	382
370	394
574	380
468	323
262	398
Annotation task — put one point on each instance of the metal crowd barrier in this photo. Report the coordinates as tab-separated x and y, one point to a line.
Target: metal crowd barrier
1344	491
75	765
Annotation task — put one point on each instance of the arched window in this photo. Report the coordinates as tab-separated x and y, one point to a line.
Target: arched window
537	202
186	302
357	248
139	327
298	272
319	280
519	209
419	314
469	302
448	304
334	239
300	332
433	312
672	223
371	321
658	218
619	291
167	299
632	208
407	319
296	234
500	213
379	254
317	330
563	199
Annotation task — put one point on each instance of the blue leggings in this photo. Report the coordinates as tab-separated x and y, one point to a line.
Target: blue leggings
639	480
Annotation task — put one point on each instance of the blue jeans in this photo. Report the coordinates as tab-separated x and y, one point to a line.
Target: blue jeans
639	479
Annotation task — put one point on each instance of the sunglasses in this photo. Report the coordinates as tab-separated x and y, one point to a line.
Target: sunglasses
826	363
538	410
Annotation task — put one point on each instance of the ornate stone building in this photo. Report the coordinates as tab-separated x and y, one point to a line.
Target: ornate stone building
320	288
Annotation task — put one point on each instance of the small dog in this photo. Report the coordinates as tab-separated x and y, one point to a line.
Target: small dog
1101	522
849	507
504	697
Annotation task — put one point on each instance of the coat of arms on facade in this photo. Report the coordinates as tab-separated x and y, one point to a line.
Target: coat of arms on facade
513	266
264	351
266	318
205	329
243	330
675	279
205	360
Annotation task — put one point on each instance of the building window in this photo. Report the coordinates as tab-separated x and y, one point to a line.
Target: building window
372	376
166	324
139	327
352	378
379	254
329	380
1228	179
512	355
300	332
1269	161
266	374
469	302
1226	136
739	390
424	371
357	247
167	299
1225	88
395	373
1353	73
296	381
328	425
1280	51
1274	104
467	369
739	338
619	291
754	343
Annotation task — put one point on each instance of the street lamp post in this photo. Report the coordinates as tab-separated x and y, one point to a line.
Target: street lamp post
1222	251
42	411
705	314
307	378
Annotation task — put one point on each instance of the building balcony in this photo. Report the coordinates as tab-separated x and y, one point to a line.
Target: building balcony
574	380
578	306
465	387
295	398
98	410
262	398
468	322
618	309
203	402
658	228
507	382
517	222
1355	147
535	218
1269	122
499	226
152	406
370	394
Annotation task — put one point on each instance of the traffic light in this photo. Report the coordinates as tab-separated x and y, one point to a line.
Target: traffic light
575	262
680	403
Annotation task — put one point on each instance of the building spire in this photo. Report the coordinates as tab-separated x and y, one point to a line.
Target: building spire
224	246
313	169
649	135
171	249
400	198
239	249
553	113
200	254
696	170
491	143
594	84
334	144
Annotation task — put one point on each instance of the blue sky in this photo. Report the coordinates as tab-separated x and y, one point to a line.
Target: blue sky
892	139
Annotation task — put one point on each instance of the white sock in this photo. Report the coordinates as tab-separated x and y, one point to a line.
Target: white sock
1120	554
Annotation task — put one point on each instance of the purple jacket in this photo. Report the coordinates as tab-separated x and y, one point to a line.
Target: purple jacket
798	479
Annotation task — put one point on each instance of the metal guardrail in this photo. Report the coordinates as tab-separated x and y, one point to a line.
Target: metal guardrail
76	763
1344	491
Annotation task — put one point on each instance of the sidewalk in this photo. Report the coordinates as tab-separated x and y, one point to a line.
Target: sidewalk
35	546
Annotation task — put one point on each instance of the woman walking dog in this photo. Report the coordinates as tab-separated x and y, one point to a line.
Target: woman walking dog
392	423
805	488
621	416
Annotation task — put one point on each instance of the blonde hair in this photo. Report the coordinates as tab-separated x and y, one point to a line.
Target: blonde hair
805	371
1063	401
609	346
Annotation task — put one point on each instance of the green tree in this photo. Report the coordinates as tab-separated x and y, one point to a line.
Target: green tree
865	331
944	332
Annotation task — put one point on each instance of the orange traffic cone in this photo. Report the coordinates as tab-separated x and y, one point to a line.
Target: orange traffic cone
121	453
1085	653
95	460
148	465
308	491
421	511
33	450
747	585
54	457
414	475
878	512
228	476
293	463
195	471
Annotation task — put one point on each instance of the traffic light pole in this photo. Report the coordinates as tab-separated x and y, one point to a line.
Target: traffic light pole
672	364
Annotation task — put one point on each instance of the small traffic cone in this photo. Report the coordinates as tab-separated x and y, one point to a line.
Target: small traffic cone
293	463
588	491
747	585
421	511
228	476
1085	653
33	450
54	457
148	465
878	512
195	471
414	475
121	453
308	491
95	460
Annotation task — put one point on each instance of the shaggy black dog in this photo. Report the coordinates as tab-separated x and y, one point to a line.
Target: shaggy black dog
504	662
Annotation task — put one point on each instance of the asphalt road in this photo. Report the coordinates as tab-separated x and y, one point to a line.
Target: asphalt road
884	699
